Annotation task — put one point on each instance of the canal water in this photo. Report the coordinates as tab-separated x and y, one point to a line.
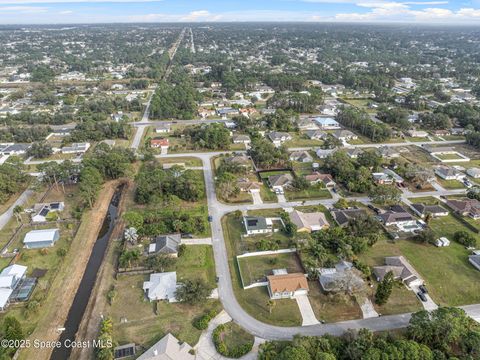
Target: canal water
87	283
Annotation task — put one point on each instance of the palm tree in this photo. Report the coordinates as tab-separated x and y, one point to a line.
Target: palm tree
270	304
17	210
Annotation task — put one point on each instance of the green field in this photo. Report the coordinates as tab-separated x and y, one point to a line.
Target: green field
450	184
313	192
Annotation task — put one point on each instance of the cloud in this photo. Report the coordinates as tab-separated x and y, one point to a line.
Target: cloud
22	9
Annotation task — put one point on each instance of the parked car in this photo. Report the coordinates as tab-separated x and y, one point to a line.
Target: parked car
423	289
186	236
422	296
370	206
210	218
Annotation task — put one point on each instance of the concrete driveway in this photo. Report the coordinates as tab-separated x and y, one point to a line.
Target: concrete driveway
308	316
281	198
368	310
428	305
257	199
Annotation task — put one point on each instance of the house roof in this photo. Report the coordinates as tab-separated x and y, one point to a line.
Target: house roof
464	205
277	135
342	278
168	348
400	268
394	217
41	235
280	180
342	217
167	244
161	285
312	221
287	283
432	209
255	222
300	155
161	142
343	133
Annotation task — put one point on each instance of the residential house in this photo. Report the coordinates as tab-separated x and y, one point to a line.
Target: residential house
204	113
474	172
317	178
401	269
301	156
165	244
475	261
327	123
387	176
227	111
467	207
14	149
309	222
242	160
42	210
354	153
10	278
307	124
345	135
434	210
163	144
343	216
161	286
278	138
76	148
417	133
398	216
287	286
163	128
457	131
246	185
168	348
388	152
36	239
280	182
342	278
448	173
316	134
241	139
61	132
257	225
324	153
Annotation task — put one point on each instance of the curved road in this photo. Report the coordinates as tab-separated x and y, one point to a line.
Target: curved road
227	296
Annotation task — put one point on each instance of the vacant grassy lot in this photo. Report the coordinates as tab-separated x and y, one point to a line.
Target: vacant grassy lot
254	301
302	140
449	157
267	194
332	308
450	184
401	301
137	320
187	160
234	335
313	192
196	262
256	268
427	200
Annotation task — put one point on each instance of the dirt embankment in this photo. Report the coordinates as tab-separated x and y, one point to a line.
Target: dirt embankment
98	303
63	290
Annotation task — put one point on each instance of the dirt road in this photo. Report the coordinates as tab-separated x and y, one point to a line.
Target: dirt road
65	285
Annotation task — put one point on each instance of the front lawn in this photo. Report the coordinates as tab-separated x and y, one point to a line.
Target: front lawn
401	301
332	307
450	184
196	262
312	193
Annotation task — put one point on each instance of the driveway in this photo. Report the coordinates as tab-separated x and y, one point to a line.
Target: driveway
368	310
308	316
428	305
257	199
281	198
204	241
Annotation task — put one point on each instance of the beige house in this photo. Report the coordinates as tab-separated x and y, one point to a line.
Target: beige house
309	222
287	286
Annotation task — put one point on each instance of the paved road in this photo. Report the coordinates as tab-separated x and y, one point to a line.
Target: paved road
7	215
227	296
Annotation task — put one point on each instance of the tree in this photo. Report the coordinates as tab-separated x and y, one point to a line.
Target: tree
90	183
160	262
465	238
270	304
385	194
299	183
294	353
227	185
193	291
105	338
384	289
40	150
427	236
12	329
17	211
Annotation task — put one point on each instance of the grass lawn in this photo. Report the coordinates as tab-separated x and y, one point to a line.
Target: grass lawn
254	301
256	268
401	301
447	273
301	140
187	160
417	139
145	327
332	308
449	157
450	184
427	200
265	174
196	262
313	192
234	335
267	195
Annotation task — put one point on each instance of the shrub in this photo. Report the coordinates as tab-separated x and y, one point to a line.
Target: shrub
222	348
202	322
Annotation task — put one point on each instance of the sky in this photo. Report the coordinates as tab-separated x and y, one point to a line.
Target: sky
456	12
